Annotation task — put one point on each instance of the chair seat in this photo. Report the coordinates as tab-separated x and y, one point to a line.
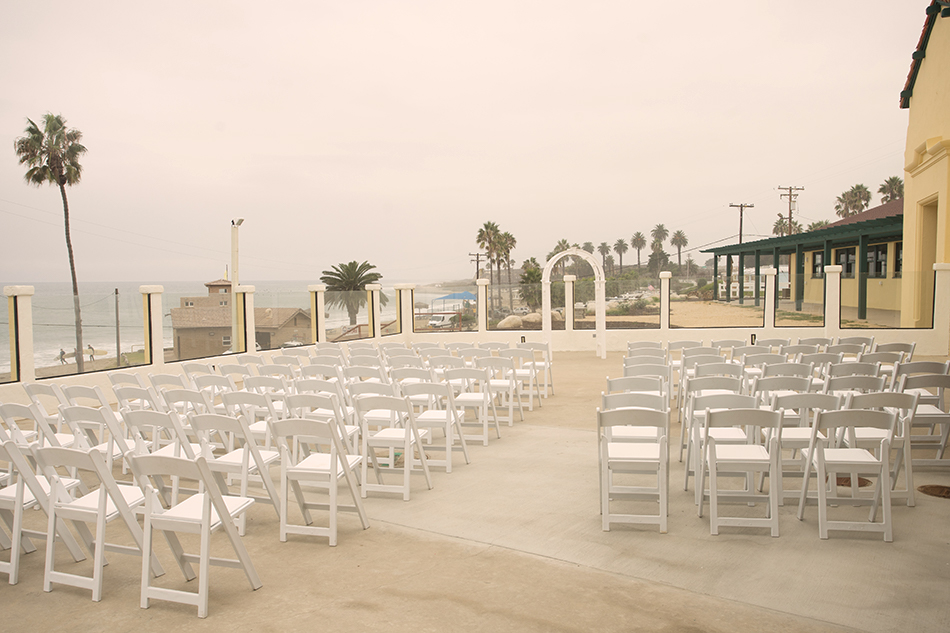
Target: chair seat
189	510
728	435
169	450
633	433
319	463
633	451
726	453
929	410
133	496
395	436
847	457
8	494
470	399
236	458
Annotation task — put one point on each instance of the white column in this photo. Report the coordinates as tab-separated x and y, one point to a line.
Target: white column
482	304
665	277
250	325
568	303
770	277
832	301
546	311
317	311
154	328
941	324
407	311
20	306
374	307
600	298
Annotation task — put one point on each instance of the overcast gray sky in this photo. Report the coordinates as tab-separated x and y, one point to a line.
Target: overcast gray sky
391	131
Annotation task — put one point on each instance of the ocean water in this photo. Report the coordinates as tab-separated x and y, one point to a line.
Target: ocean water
54	329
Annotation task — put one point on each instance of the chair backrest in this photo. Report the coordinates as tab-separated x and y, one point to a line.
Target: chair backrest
494	345
663	371
137	398
929	382
706	383
169	381
13	413
689	362
847	349
821	341
905	403
905	348
631	345
398	352
806	404
607	419
360	345
854	383
299	352
792	351
92	426
744	350
234	369
631	399
654	352
421	345
357	389
771	343
315	385
454	347
413	361
681	345
866	341
193	369
467	378
755	360
764	387
48	392
718	369
119	379
852	418
729	343
253	405
412	374
720	401
749	417
499	367
90	461
441	395
318	406
788	369
214	384
145	427
645	384
690	352
821	360
284	371
363	373
334	348
921	367
333	360
630	361
327	372
288	359
445	362
881	358
542	351
854	369
187	400
251	359
85	396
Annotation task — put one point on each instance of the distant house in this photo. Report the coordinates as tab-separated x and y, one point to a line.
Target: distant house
201	326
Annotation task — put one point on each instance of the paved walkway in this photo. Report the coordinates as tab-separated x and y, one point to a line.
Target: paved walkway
512	542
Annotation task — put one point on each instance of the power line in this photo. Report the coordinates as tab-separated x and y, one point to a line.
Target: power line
742	207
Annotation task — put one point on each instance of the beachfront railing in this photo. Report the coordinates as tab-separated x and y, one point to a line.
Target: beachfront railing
930	320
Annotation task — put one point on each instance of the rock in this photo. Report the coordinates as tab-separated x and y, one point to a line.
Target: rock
533	319
512	322
556	316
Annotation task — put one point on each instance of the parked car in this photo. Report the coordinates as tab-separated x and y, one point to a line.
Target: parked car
439	321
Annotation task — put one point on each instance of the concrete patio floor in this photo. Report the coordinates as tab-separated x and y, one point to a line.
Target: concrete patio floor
513	542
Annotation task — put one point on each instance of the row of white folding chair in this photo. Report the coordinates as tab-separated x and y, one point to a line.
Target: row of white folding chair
932	416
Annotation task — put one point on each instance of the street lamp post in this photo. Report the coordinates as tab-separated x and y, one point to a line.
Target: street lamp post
235	223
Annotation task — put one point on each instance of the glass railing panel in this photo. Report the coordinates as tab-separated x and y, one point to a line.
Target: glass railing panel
196	321
516	306
869	301
347	317
736	306
803	303
632	304
389	301
445	308
558	313
282	317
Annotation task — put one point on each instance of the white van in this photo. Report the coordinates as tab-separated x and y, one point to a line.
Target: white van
439	321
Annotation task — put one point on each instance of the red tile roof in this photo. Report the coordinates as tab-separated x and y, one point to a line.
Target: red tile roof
886	210
933	10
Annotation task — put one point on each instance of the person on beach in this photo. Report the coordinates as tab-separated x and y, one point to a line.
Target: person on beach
62	356
92	353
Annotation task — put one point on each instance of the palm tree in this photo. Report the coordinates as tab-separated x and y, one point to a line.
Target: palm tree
853	201
561	246
507	243
609	264
817	224
863	195
780	227
659	233
604	250
487	240
639	242
343	283
891	189
589	247
620	247
680	241
52	155
689	265
530	290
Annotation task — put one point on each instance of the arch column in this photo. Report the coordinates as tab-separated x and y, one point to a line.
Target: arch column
600	297
569	302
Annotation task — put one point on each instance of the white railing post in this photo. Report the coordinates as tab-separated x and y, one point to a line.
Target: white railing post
568	303
249	330
154	326
832	301
406	310
375	323
546	311
318	308
665	277
600	299
482	307
20	306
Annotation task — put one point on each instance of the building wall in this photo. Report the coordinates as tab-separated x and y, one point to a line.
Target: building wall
927	177
200	342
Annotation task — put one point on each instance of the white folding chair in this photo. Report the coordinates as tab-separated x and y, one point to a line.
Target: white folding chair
302	469
827	459
473	393
406	437
933	416
633	458
525	373
503	385
744	459
104	504
543	363
202	514
439	411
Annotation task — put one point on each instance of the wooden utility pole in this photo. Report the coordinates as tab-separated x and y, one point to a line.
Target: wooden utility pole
791	195
742	207
478	267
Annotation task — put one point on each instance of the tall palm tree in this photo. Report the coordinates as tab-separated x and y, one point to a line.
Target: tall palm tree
604	250
589	247
52	155
659	233
561	246
853	201
817	224
780	227
863	195
507	243
620	247
639	242
344	280
680	241
487	240
843	205
891	189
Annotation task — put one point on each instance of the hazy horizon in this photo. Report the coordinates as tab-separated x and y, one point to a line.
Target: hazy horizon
391	132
